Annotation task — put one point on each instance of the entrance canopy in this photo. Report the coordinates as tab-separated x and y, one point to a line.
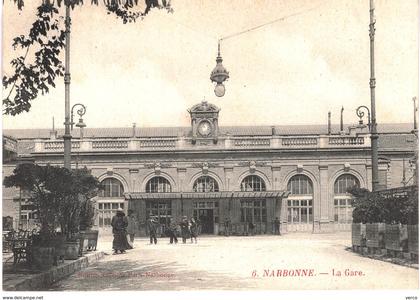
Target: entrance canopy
209	195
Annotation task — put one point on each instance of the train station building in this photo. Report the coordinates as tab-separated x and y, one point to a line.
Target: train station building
247	174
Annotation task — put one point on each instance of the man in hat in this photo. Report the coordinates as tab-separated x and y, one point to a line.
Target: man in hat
277	226
193	230
227	226
132	227
152	226
172	231
185	230
119	229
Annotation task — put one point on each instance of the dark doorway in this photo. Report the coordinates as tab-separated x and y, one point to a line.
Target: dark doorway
206	220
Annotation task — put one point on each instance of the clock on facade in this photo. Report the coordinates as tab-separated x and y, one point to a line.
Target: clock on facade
204	128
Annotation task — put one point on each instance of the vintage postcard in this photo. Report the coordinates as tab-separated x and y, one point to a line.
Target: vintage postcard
210	145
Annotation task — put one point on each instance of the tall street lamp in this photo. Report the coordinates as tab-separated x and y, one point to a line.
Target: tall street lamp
67	124
68	121
359	111
372	84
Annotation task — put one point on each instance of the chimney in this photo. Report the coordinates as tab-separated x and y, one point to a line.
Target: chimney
273	130
134	131
329	123
341	120
53	132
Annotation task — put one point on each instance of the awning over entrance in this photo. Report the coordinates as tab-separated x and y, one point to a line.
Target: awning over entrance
210	195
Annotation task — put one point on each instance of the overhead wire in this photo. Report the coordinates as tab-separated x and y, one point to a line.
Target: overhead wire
268	23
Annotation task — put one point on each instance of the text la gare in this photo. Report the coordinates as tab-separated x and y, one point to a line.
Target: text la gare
347	273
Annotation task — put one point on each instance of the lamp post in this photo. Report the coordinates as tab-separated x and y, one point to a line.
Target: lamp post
372	84
67	133
68	121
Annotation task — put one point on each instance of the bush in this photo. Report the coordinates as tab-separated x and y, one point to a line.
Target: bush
393	206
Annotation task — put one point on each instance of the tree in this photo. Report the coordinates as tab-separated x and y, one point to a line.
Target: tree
76	210
47	36
57	194
47	186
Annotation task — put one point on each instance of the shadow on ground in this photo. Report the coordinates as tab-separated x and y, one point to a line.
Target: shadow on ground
128	275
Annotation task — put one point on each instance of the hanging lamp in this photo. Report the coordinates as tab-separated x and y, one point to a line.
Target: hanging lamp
219	75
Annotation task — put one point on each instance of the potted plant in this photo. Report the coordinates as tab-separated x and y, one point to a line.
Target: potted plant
369	210
76	210
57	194
375	226
394	204
43	183
358	229
87	215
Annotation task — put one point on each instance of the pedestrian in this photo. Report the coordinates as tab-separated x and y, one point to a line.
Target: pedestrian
152	226
277	226
251	227
227	225
193	230
172	231
131	228
119	230
184	229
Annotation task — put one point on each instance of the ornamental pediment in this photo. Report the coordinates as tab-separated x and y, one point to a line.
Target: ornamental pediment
203	107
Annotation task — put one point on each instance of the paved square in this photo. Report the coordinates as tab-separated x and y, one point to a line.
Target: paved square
293	261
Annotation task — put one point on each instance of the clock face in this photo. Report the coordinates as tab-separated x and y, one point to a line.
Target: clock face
204	128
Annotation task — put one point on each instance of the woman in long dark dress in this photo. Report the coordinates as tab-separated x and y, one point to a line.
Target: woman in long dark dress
119	225
185	229
193	230
172	231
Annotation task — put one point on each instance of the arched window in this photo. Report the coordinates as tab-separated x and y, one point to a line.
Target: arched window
344	182
342	200
300	201
300	185
112	188
158	184
205	184
252	183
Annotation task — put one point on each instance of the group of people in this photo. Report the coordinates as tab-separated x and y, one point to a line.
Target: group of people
123	226
189	229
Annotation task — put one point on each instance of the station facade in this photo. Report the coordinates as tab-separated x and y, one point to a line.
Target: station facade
244	174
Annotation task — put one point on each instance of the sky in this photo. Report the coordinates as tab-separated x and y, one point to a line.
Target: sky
289	72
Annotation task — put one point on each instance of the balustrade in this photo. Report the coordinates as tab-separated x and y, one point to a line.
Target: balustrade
299	141
59	146
113	144
157	143
287	142
346	140
252	142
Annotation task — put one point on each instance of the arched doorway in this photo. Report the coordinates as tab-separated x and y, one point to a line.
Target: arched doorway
254	210
206	212
300	204
110	198
343	209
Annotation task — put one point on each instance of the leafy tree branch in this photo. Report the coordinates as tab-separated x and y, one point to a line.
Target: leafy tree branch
47	38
